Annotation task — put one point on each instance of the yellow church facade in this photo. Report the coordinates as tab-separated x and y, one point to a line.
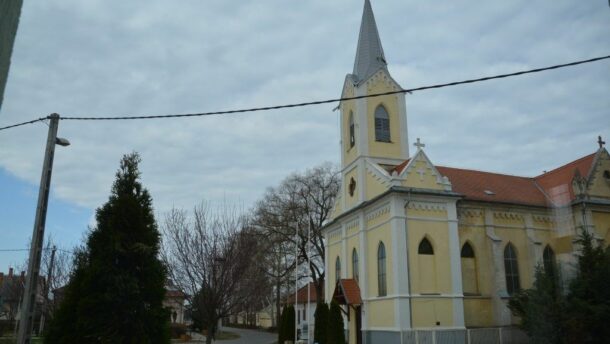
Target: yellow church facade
420	253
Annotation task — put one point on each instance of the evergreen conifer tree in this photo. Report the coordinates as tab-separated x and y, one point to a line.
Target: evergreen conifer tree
321	323
281	328
587	311
290	325
336	332
581	316
116	291
541	308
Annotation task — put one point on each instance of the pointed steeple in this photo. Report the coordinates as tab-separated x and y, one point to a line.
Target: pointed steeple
369	55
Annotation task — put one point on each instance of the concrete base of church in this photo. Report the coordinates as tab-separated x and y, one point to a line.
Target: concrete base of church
416	336
505	335
381	337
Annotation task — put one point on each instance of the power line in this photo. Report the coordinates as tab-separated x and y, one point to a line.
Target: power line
318	102
27	249
24	123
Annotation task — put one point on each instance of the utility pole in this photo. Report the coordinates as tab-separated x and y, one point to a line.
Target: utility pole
296	281
45	306
308	310
26	321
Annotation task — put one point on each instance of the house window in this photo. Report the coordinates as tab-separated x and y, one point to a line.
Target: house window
381	271
469	270
337	269
382	124
511	269
548	260
352	137
355	264
425	247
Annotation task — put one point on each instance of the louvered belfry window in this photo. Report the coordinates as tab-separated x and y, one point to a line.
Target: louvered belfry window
382	124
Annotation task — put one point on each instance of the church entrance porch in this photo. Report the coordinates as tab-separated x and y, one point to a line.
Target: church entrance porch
347	293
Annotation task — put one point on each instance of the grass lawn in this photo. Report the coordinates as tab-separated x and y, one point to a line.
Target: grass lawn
224	335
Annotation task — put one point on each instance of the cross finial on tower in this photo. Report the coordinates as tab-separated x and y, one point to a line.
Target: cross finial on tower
600	142
419	144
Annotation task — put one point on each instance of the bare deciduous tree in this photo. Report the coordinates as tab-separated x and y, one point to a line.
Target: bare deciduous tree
56	268
209	257
286	213
11	291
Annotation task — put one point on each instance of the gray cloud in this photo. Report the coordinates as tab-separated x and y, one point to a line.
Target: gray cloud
155	57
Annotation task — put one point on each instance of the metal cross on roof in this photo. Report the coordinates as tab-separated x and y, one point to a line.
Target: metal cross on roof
419	144
600	142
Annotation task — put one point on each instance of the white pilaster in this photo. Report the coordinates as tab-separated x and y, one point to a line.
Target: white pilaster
456	267
534	246
363	269
362	140
404	134
343	251
501	312
400	269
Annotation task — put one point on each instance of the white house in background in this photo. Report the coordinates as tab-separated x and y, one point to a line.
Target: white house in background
174	301
305	306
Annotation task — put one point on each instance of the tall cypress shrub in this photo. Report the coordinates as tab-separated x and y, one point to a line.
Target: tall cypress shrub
281	328
321	323
335	332
290	326
116	292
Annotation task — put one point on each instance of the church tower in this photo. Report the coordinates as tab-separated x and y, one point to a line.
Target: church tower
373	129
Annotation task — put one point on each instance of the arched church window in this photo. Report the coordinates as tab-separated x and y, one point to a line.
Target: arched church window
355	264
425	247
467	251
548	260
511	269
352	137
382	124
381	270
337	269
469	270
426	267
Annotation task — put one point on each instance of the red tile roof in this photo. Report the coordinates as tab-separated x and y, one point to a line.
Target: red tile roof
564	174
496	187
347	292
401	167
175	294
301	295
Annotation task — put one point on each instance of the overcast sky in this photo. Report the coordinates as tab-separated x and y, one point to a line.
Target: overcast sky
111	58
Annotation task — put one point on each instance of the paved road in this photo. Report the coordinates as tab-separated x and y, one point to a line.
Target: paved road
247	337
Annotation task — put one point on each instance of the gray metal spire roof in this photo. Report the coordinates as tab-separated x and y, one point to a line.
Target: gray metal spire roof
369	55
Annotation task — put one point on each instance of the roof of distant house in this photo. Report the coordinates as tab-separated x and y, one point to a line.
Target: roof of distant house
301	295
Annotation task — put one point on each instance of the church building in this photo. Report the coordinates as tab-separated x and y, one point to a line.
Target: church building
421	253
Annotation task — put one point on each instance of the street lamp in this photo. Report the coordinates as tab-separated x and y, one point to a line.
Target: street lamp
31	282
